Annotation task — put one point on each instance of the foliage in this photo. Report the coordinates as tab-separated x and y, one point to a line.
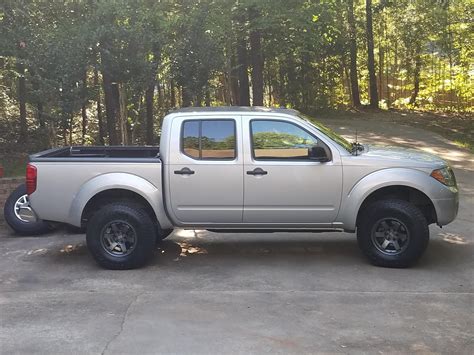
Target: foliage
185	52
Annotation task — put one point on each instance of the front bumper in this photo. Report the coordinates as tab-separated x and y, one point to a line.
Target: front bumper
447	207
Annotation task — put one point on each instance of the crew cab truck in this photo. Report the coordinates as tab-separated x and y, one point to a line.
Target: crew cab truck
240	169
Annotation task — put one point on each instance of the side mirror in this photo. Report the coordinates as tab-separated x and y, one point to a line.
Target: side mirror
318	154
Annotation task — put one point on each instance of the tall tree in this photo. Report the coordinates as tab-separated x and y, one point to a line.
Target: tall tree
100	121
244	86
22	92
353	54
416	77
111	105
84	107
256	56
374	96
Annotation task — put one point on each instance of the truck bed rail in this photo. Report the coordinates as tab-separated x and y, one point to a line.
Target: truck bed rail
98	153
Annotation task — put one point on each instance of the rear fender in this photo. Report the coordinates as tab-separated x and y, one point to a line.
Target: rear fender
124	181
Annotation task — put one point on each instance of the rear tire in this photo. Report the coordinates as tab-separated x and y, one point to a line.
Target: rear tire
11	213
121	236
392	233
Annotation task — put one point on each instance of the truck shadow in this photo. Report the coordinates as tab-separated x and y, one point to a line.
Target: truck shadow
441	252
445	250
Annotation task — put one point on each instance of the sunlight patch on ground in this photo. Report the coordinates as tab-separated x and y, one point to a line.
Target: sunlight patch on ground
453	238
188	249
185	233
41	251
71	248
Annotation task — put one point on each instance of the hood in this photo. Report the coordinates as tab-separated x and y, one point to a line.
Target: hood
403	156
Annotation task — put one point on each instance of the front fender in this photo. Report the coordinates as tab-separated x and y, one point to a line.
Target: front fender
416	179
124	181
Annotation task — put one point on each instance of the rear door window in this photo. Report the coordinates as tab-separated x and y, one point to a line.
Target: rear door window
209	139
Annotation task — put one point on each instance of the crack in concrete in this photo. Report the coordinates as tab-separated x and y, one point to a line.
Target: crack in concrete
124	319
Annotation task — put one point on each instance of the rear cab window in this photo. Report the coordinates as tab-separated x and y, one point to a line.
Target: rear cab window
209	139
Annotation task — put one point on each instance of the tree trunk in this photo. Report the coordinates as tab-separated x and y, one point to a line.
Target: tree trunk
374	97
244	94
355	92
71	127
22	103
122	109
234	81
416	78
281	85
84	107
39	114
110	108
149	95
99	108
172	94
257	59
186	97
207	99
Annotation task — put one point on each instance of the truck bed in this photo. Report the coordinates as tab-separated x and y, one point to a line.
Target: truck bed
98	153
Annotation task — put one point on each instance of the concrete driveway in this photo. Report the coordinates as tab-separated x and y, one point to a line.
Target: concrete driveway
248	293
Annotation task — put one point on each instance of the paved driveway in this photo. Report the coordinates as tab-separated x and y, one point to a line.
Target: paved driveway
247	293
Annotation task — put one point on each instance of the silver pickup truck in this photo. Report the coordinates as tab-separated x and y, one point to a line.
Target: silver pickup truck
240	169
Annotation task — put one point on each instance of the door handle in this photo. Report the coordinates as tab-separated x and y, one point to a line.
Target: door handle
257	171
184	171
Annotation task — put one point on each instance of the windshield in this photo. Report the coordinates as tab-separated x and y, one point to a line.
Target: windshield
328	132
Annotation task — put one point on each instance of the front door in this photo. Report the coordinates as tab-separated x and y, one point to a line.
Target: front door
206	172
282	185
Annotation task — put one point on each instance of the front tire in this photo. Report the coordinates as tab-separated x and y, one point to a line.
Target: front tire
392	233
121	236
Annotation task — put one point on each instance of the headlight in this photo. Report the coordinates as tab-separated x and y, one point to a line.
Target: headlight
444	176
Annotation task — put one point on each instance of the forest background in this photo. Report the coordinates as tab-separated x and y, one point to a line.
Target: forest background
107	71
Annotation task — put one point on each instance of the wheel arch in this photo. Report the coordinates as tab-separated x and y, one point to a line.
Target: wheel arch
405	193
114	195
115	187
401	183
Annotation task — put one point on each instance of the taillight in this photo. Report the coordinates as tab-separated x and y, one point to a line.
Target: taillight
31	175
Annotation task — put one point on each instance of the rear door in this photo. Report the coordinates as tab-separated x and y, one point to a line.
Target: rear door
282	185
206	170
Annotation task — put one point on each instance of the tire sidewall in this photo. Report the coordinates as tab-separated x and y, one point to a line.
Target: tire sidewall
414	221
145	234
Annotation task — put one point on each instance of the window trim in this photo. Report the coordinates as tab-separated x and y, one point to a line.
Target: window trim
200	120
318	140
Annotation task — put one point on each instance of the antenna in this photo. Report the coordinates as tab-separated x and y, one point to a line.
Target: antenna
357	145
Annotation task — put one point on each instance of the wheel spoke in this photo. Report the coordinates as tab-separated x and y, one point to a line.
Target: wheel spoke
114	227
395	225
109	238
396	245
384	225
402	236
379	235
123	247
385	244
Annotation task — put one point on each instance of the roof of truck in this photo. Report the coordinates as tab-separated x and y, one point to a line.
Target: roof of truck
236	109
